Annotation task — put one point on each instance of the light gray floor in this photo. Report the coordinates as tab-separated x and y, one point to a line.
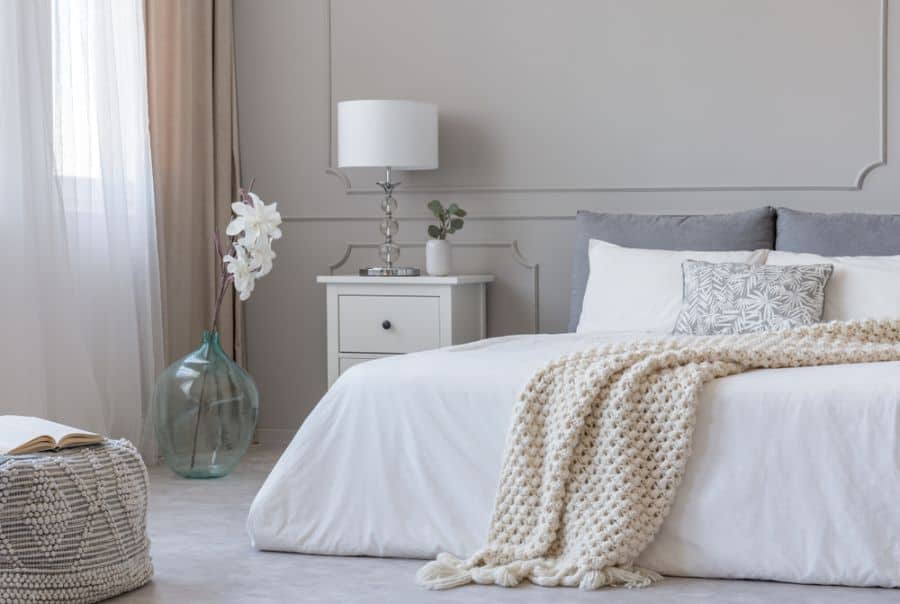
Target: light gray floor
201	554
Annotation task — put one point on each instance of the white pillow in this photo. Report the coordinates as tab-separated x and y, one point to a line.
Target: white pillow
861	287
631	289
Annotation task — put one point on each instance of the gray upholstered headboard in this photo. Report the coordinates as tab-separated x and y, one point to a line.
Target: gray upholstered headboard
844	234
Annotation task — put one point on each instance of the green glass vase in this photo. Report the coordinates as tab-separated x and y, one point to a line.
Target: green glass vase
206	408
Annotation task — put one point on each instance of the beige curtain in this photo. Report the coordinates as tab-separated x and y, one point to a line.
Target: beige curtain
196	169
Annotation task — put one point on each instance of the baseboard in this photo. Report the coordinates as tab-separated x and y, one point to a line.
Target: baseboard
279	436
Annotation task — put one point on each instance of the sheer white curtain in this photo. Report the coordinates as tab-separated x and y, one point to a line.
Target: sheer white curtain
82	309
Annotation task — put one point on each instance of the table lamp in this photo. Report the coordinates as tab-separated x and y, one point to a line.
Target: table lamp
400	135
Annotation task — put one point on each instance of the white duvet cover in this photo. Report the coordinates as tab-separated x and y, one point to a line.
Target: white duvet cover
794	475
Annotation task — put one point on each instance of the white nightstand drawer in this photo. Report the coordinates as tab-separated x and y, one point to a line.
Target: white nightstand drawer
388	324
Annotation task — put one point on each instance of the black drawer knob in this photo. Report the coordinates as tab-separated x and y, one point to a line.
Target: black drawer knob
386	324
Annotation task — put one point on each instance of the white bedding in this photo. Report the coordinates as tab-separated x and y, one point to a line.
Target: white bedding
794	476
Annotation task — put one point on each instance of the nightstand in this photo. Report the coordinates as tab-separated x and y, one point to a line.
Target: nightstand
374	317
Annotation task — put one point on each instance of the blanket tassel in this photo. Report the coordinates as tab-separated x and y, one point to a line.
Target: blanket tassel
448	572
615	575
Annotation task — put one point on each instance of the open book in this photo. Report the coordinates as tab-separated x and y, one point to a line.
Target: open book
21	434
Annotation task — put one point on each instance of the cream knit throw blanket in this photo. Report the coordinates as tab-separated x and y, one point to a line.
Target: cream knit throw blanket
598	445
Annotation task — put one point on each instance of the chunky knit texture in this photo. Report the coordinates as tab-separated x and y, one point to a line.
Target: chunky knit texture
73	524
598	445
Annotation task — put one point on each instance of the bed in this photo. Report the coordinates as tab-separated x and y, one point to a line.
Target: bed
408	467
794	474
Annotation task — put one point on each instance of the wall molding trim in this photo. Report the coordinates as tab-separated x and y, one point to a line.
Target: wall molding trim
857	185
882	99
469	217
512	246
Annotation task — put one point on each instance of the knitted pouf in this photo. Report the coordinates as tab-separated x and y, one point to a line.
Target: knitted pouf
73	524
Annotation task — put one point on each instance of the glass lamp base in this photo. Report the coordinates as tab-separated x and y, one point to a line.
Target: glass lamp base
389	271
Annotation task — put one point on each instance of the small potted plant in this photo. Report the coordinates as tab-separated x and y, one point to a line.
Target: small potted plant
437	250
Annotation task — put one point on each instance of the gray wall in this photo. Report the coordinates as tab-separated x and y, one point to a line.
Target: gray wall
546	108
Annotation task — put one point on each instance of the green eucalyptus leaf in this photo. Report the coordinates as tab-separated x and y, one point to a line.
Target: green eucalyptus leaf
436	208
434	231
460	212
452	208
456	224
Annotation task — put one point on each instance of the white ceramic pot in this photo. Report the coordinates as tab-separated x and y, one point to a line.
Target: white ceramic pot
437	257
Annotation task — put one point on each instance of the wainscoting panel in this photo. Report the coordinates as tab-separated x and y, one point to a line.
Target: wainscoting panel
609	95
547	107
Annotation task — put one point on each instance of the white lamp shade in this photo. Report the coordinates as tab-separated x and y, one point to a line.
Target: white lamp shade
382	134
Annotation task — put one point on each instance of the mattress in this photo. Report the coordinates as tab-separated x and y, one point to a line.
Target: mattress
794	474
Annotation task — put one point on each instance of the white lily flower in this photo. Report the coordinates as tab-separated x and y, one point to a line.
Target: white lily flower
261	257
257	220
238	266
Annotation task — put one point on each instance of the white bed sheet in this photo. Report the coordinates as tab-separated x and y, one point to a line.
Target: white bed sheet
794	475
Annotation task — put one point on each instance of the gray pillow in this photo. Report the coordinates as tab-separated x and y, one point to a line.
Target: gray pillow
749	230
849	234
731	297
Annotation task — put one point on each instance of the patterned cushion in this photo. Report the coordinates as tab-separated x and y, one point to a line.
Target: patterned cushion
730	298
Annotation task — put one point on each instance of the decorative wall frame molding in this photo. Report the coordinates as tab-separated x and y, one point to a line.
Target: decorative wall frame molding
469	217
857	185
513	246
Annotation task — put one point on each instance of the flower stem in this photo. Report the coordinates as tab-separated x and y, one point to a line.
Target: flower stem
200	410
219	299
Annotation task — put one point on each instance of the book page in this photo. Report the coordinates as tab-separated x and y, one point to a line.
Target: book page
17	430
